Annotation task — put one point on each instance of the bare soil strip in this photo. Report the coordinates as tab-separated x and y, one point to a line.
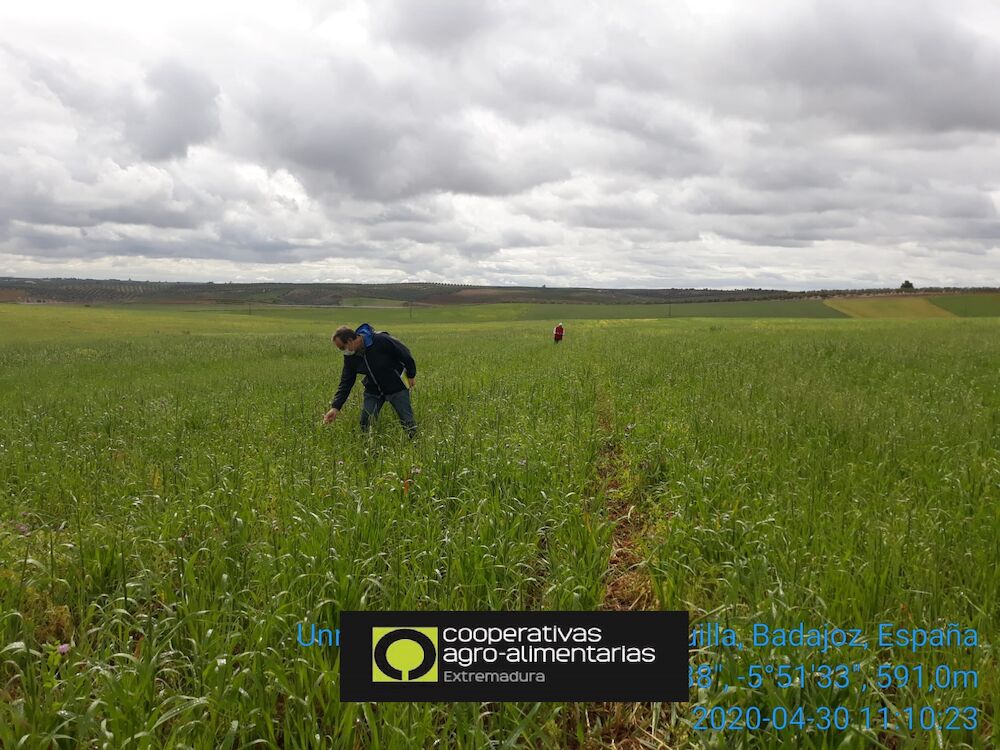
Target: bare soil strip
628	584
624	726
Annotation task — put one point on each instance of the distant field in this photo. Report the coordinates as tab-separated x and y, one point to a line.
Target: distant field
45	322
40	323
969	305
92	291
563	312
371	302
762	309
888	307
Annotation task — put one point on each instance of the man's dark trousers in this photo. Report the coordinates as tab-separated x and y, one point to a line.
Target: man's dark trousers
400	401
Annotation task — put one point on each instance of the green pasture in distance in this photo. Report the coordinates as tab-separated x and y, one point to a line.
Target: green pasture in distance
172	509
371	302
38	323
46	322
515	311
888	307
564	312
969	305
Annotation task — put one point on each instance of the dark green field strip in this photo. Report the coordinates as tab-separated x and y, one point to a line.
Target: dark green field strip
527	311
969	305
762	309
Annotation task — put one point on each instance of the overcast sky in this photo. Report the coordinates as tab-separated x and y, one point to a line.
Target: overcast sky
727	144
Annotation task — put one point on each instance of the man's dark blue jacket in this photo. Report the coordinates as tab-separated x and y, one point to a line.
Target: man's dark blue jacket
381	364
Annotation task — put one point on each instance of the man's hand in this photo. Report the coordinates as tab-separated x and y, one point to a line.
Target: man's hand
330	416
412	382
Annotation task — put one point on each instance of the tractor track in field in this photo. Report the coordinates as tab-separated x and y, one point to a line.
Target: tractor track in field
623	726
628	584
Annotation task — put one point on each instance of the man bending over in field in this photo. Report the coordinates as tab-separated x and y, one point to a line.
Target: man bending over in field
381	359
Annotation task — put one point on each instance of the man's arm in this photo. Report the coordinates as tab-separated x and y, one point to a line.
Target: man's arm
404	356
347	378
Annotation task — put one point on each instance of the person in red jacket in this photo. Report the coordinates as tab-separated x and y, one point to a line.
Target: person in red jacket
558	332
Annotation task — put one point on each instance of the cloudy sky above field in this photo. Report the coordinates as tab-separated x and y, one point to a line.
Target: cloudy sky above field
729	144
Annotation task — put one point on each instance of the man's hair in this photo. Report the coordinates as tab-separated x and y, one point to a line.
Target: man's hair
344	334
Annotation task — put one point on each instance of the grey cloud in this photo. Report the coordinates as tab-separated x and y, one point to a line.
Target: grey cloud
619	215
879	228
541	87
422	233
182	112
148	214
477	250
33	196
954	248
420	212
953	202
233	243
178	108
434	24
906	66
343	129
262	247
60	78
43	210
26	208
654	147
512	238
643	56
795	170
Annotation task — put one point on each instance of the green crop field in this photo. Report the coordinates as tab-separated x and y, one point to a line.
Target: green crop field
969	305
371	302
889	307
32	323
171	510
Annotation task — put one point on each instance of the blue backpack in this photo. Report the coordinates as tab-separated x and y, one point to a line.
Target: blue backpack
367	334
